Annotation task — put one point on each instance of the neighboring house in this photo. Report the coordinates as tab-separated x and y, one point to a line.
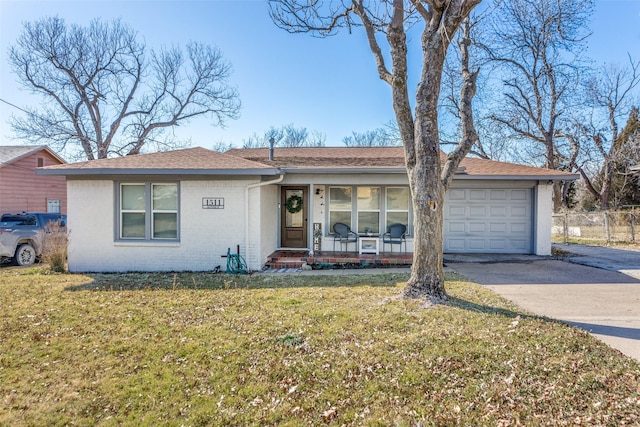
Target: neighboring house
181	210
21	189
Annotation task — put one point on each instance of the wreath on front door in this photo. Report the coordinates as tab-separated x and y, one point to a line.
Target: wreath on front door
294	204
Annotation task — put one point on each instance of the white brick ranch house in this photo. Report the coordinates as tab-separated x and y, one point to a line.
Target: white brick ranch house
180	210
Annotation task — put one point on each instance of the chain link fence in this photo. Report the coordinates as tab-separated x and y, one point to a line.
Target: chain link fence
597	227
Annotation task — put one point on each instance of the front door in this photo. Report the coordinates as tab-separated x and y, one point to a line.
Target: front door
294	217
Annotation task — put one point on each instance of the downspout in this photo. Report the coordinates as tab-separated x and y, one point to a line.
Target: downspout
246	204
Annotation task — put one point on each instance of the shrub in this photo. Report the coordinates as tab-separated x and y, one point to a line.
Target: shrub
54	247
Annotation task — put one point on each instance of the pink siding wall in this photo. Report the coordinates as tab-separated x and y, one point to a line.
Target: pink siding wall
22	190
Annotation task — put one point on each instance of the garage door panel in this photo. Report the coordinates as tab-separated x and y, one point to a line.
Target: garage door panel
477	244
519	244
496	211
520	194
498	194
456	227
477	227
489	220
477	211
457	210
497	244
518	228
457	194
456	245
519	211
498	227
477	195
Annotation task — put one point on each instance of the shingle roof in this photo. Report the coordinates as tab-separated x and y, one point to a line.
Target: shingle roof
482	167
319	159
190	160
384	157
12	153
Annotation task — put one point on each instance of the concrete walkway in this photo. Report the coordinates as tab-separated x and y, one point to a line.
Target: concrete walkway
625	261
594	288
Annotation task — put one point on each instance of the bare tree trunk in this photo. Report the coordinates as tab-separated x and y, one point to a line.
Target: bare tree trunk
427	274
425	178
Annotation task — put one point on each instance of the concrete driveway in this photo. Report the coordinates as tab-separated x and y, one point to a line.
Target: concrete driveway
604	299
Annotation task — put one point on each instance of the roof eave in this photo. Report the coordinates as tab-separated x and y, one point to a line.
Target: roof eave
568	177
34	150
347	170
161	171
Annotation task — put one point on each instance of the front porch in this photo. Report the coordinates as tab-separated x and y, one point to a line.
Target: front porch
328	260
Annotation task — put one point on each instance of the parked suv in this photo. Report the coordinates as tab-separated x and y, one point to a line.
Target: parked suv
20	235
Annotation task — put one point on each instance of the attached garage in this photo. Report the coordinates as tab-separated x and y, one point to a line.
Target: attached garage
488	220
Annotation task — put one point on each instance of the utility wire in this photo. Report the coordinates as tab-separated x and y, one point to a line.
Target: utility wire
15	106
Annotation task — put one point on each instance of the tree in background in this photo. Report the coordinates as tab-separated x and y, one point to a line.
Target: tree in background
286	136
101	89
594	135
222	146
387	136
537	47
386	24
615	184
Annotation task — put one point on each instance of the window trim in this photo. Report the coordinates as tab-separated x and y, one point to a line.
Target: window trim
408	210
378	211
148	212
328	228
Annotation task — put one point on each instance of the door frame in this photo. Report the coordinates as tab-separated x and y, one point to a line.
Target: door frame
306	210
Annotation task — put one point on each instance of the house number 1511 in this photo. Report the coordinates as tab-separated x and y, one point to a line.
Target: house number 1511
212	203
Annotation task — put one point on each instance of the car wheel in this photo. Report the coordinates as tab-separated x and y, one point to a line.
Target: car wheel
25	255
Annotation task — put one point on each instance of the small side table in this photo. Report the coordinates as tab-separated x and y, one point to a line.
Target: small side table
369	245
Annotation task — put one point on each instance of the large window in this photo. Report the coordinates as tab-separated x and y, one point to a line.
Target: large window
368	209
397	207
372	209
148	211
339	206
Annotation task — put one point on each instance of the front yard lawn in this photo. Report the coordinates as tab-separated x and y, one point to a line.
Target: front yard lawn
203	349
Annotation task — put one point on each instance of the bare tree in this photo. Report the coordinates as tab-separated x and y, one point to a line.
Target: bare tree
387	136
258	141
538	45
595	135
286	136
388	22
222	146
102	91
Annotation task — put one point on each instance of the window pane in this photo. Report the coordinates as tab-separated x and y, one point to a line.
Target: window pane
165	225
133	197
340	198
368	198
133	225
344	217
368	222
398	198
295	219
400	217
165	197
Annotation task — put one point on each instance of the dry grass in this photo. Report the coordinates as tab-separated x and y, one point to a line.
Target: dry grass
201	349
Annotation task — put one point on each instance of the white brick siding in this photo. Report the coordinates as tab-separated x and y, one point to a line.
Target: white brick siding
205	234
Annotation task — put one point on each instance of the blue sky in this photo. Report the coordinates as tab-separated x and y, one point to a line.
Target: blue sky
327	85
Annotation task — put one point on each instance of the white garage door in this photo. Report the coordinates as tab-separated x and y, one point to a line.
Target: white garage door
488	221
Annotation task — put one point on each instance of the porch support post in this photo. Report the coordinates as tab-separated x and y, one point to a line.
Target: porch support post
542	220
247	238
